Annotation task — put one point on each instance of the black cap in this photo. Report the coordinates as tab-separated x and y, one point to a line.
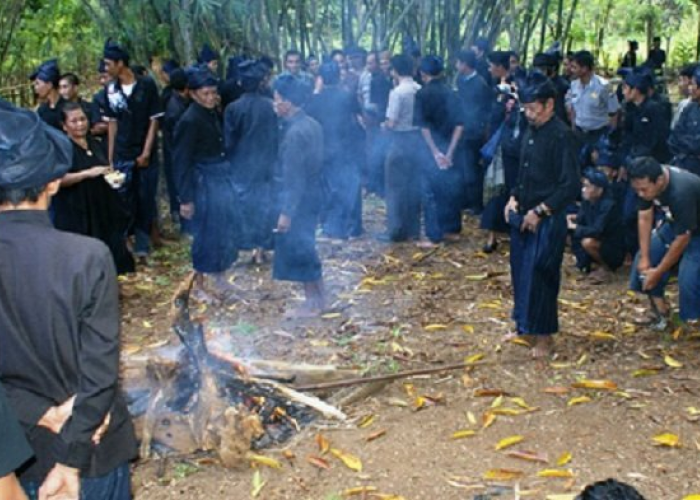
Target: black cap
537	87
545	60
500	58
207	54
293	89
199	77
32	153
432	65
114	52
47	72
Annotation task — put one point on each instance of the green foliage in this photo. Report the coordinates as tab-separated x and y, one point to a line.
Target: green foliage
683	53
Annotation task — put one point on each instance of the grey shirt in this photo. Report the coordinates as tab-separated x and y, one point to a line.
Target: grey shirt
592	103
402	104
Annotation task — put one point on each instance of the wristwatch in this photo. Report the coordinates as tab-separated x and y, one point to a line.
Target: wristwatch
540	211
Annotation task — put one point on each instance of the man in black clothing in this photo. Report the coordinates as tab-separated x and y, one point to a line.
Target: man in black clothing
301	164
15	451
657	55
98	107
45	81
476	97
250	136
684	141
548	64
548	181
60	364
69	88
439	115
133	113
646	129
175	107
481	50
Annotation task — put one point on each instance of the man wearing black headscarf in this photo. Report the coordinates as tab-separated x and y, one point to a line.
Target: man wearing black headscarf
210	58
301	164
205	185
338	113
133	114
60	364
439	115
548	64
45	81
250	135
548	181
98	106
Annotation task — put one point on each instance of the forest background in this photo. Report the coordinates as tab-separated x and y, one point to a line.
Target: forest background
75	30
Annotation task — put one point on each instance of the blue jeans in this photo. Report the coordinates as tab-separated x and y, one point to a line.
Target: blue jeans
114	486
688	272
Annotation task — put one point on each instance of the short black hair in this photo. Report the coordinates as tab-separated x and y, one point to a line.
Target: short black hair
402	64
291	52
69	107
293	90
336	52
18	196
139	69
72	78
467	57
645	167
688	70
610	490
178	80
584	58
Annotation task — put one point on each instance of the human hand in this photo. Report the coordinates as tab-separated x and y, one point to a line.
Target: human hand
643	265
62	483
512	206
97	171
143	160
56	417
187	211
530	222
652	277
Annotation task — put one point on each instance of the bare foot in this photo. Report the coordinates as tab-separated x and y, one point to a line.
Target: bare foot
544	345
426	244
510	336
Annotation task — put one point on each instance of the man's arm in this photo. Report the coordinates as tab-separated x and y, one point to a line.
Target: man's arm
112	128
144	159
10	488
98	362
674	253
645	223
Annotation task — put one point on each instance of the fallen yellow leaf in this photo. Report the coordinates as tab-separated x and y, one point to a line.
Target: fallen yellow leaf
579	400
672	362
510	412
677	333
566	474
488	419
366	421
318	462
360	490
497	402
561	497
564	459
530	456
331	316
603	385
667	439
463	434
520	341
503	474
521	403
602	336
695	496
473	359
263	460
375	435
350	461
323	444
471	418
468	328
435	328
509	441
645	372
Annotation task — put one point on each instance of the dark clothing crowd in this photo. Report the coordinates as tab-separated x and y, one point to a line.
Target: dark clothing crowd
553	156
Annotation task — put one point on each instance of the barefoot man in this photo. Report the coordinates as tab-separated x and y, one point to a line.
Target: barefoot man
547	182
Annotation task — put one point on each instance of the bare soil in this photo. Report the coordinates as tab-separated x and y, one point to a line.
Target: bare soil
397	307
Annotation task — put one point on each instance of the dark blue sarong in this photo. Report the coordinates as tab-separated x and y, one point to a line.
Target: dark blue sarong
535	261
296	258
256	215
216	223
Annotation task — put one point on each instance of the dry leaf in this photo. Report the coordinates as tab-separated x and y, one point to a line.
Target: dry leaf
602	336
503	474
331	316
509	441
530	456
468	328
366	421
289	455
375	435
602	385
564	459
263	460
488	419
579	400
463	434
558	390
520	341
558	473
521	403
561	497
435	328
350	461
476	277
360	490
489	393
323	444
473	359
510	412
645	372
497	402
667	439
258	484
472	419
677	333
319	462
672	362
692	497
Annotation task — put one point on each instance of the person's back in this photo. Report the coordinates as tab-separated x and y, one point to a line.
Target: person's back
335	110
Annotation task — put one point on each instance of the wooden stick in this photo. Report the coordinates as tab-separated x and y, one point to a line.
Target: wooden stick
381	378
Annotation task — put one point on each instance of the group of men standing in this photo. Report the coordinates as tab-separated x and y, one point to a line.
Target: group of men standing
255	163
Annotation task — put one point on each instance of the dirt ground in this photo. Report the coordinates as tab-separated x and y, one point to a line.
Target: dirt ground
396	307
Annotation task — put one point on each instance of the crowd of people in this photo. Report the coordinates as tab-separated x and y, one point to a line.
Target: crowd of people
257	162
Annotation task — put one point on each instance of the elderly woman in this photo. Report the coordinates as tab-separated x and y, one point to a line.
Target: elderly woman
86	204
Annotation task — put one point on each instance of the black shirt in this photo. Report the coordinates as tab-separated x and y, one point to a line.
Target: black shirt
476	97
15	449
646	131
657	58
174	109
438	109
198	139
336	111
680	201
133	115
251	138
301	160
68	346
549	170
685	137
98	107
601	220
52	115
